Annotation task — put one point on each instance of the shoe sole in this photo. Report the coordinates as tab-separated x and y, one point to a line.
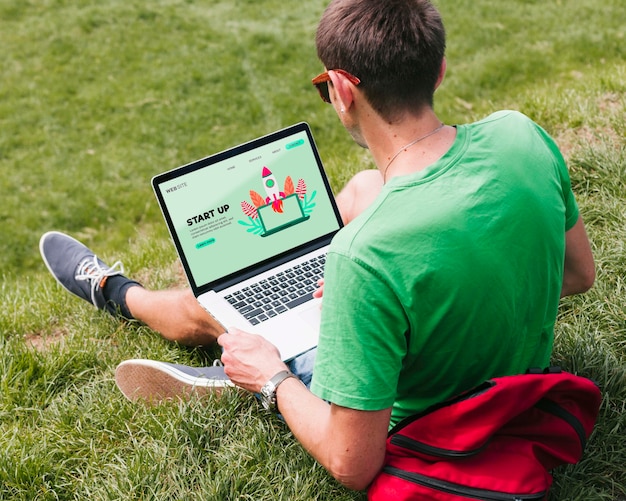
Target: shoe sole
154	382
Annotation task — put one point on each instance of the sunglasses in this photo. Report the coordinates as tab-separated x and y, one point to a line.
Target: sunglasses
321	83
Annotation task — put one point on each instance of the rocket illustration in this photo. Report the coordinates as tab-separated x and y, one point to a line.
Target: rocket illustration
274	196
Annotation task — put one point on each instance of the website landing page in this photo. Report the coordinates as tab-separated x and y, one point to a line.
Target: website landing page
241	211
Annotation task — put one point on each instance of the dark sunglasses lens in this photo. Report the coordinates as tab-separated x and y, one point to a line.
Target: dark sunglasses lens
323	90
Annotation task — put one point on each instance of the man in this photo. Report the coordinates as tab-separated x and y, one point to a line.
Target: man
449	273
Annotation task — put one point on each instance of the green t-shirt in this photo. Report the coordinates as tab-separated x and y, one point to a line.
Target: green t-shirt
452	276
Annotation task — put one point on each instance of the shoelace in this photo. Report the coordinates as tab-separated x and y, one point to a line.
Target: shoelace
90	270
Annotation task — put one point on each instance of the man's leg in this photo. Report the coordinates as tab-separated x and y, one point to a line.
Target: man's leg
175	314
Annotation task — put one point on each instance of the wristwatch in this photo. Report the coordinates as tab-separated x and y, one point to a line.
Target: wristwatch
268	392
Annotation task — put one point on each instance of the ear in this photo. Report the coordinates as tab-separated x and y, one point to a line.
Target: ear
442	73
342	91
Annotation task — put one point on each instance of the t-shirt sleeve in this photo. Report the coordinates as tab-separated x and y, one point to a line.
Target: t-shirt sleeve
362	338
571	207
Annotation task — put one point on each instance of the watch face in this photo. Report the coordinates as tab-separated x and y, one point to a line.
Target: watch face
268	391
268	396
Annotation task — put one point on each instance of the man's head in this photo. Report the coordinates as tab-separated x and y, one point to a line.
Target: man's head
395	47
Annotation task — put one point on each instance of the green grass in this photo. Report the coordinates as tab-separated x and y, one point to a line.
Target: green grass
97	97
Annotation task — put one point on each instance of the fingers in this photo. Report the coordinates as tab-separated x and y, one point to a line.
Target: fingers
227	338
249	359
319	292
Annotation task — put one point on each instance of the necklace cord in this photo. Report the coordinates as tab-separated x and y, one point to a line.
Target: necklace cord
407	146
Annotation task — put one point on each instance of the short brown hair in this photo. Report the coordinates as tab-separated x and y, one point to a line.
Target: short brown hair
396	48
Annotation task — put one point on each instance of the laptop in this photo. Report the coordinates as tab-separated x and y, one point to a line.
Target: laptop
251	226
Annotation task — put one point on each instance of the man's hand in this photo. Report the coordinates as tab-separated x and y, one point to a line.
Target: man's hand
249	360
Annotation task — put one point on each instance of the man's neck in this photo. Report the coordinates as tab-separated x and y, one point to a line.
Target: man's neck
407	145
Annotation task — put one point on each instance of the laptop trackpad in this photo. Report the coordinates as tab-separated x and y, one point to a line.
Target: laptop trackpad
311	314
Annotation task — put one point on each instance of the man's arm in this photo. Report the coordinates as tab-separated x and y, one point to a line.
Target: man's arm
579	270
349	443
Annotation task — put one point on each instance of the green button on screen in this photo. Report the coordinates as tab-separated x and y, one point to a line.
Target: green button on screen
299	142
205	243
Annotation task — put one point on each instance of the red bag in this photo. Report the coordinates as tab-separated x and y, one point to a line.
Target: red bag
496	442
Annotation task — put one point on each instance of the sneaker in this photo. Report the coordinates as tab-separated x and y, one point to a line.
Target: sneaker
154	381
77	268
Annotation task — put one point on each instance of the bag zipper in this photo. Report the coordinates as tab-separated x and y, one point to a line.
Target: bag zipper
555	409
416	446
460	490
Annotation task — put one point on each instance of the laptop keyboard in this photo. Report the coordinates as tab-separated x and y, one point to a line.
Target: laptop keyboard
280	292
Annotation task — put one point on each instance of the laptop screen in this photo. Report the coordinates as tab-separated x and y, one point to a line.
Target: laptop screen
230	212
